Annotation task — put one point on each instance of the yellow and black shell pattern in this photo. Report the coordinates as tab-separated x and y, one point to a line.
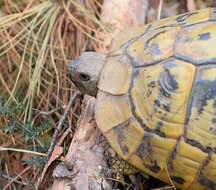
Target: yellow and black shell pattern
156	103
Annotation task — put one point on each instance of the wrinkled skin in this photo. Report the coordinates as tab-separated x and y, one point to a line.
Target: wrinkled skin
85	71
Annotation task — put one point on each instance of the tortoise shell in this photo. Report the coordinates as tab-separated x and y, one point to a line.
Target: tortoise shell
156	102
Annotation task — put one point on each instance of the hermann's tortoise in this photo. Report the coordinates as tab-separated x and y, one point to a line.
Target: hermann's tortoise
156	97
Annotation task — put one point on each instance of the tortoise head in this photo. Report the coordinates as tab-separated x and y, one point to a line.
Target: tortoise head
85	71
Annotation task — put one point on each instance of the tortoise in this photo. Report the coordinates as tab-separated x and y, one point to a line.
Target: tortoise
156	97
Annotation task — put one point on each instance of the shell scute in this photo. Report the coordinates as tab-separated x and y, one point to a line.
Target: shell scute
152	47
116	76
194	17
163	90
190	159
152	154
184	19
125	137
201	124
208	174
196	44
126	37
111	111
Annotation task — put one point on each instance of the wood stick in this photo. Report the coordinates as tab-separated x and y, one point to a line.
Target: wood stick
84	167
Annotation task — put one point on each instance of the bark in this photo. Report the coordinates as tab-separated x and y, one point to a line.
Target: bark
119	15
84	167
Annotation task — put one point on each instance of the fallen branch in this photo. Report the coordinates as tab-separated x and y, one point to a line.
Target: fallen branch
84	167
61	122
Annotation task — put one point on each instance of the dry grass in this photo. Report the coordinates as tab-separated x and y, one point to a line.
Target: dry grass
37	40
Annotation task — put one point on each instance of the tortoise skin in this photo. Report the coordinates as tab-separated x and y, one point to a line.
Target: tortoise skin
156	103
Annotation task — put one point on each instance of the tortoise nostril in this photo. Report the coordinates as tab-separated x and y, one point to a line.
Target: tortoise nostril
84	77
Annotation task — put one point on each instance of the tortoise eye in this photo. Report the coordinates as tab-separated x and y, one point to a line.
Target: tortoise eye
84	77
